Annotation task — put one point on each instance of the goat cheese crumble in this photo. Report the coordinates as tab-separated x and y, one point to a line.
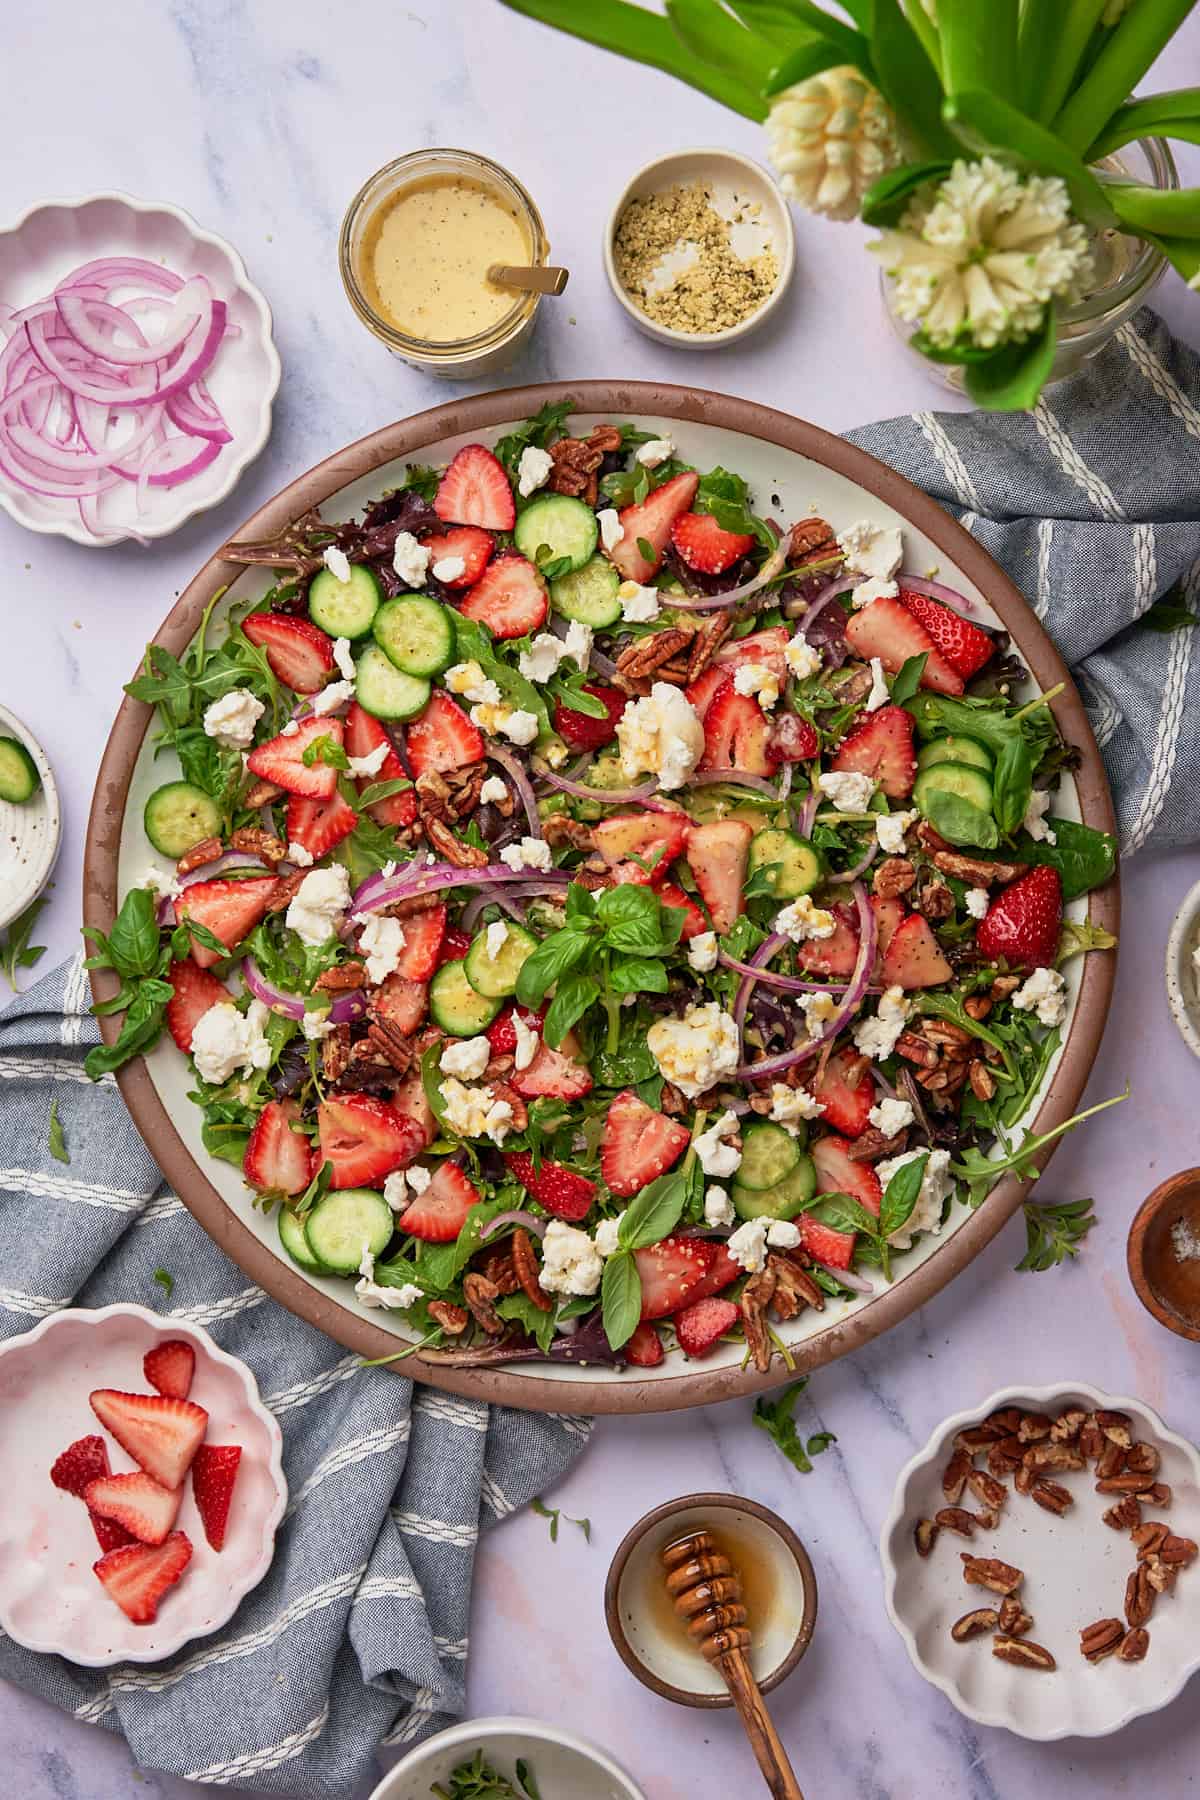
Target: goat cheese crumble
533	470
702	952
877	1037
849	791
695	1051
410	559
319	904
1044	994
715	1152
225	1041
802	920
337	562
661	735
571	1263
230	721
528	853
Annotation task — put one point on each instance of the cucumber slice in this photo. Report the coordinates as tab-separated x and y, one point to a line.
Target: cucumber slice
783	1201
496	977
797	865
558	526
769	1153
960	750
344	1224
416	634
588	594
344	608
954	778
291	1236
19	778
386	691
458	1007
178	816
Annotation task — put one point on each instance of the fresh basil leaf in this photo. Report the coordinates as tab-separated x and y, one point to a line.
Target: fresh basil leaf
654	1213
637	975
646	552
580	907
573	996
1171	613
56	1143
901	1195
141	1029
627	904
554	957
383	790
134	940
192	928
844	1213
907	682
958	820
620	1298
1083	856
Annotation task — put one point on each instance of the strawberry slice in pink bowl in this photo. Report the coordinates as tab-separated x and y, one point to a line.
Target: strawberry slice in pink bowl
50	1599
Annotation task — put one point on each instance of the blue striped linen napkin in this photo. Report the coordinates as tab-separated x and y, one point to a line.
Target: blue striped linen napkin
1092	505
358	1635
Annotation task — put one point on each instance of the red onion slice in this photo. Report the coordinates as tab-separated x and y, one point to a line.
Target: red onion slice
848	1005
344	1008
718	602
817	605
937	590
736	778
607	796
378	891
807	813
94	324
848	1277
518	1216
864	862
520	780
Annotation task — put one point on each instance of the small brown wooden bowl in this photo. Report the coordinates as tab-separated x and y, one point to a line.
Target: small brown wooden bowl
623	1606
1151	1254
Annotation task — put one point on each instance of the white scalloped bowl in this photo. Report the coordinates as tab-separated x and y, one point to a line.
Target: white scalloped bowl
56	236
1075	1571
31	833
49	1598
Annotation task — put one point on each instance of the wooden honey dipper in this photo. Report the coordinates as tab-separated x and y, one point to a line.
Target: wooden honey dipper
707	1593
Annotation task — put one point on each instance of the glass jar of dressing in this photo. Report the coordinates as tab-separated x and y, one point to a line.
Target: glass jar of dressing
416	244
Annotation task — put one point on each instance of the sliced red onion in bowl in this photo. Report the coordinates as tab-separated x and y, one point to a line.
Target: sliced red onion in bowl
848	1005
518	1216
344	1008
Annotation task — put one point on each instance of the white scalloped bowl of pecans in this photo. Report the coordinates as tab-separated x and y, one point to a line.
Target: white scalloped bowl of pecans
1040	1561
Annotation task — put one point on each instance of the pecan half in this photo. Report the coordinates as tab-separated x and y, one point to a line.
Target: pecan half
1149	1538
257	842
1004	985
1023	1653
954	1476
1139	1596
974	1438
559	829
481	1295
956	1518
1125	1515
343	978
1014	1620
1049	1455
947	1036
986	1488
894	876
1004	1422
1160	1575
810	538
390	1046
261	794
1141	1485
500	1269
983	1082
525	1263
1067	1426
1005	1456
934	900
794	1288
756	1297
1100	1639
285	891
974	1624
914	1049
641	659
871	1144
1091	1439
977	871
1111	1461
977	1006
706	642
989	1572
452	849
452	1319
925	1536
1142	1459
1134	1645
1052	1497
1116	1428
576	461
335	1053
1179	1551
208	850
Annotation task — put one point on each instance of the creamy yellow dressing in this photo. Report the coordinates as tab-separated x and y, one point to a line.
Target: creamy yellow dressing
425	256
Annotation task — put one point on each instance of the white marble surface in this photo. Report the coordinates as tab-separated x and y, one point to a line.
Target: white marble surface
262	120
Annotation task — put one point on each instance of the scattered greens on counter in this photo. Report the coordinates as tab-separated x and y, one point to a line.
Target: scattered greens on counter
16	950
166	1281
775	1417
1054	1231
554	1514
56	1142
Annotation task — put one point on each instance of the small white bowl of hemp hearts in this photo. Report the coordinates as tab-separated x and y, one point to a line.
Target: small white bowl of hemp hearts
699	248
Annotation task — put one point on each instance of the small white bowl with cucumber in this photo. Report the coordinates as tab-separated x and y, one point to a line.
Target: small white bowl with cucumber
30	821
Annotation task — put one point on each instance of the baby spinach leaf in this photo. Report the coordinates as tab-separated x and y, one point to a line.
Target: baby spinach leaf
1083	856
959	820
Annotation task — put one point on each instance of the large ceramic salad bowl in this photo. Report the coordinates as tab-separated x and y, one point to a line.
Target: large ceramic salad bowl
793	471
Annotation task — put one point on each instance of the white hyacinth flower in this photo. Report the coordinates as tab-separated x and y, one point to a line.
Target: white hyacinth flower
831	137
980	256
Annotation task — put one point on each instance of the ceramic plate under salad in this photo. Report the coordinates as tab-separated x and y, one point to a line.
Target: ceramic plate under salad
617	955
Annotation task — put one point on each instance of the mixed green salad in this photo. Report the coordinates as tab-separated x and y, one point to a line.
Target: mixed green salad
602	916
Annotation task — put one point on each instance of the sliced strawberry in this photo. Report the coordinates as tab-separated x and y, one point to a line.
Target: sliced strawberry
649	522
582	731
889	915
213	1474
702	1323
1022	922
161	1434
138	1575
142	1506
196	992
300	653
914	959
705	546
651	837
846	1092
560	1190
364	734
694	921
364	1139
880	744
767	646
793	739
561	1073
717	855
889	631
439	1214
838	1174
721	1272
80	1463
229	908
473	546
638	1144
109	1535
402	1003
443	738
475	491
511	598
737	733
671	1272
410	1101
834	955
965	647
455	945
281	759
278	1159
319	824
501	1034
828	1246
644	1349
169	1368
701	692
423	936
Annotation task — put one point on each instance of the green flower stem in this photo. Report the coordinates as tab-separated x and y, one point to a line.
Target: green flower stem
713	35
1173	212
1144	32
1054	36
1182	253
926	32
979	47
1173	115
644	37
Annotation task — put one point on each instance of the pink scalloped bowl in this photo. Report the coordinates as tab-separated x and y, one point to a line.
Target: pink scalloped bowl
49	1598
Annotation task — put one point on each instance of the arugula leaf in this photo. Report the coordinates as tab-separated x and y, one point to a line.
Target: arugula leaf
775	1417
1076	939
165	1280
16	951
981	1172
1053	1232
56	1142
620	1298
1083	856
549	423
654	1213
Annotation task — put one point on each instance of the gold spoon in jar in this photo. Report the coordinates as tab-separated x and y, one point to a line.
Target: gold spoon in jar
539	278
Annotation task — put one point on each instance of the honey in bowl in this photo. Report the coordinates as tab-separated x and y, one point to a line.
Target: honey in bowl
425	253
749	1556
